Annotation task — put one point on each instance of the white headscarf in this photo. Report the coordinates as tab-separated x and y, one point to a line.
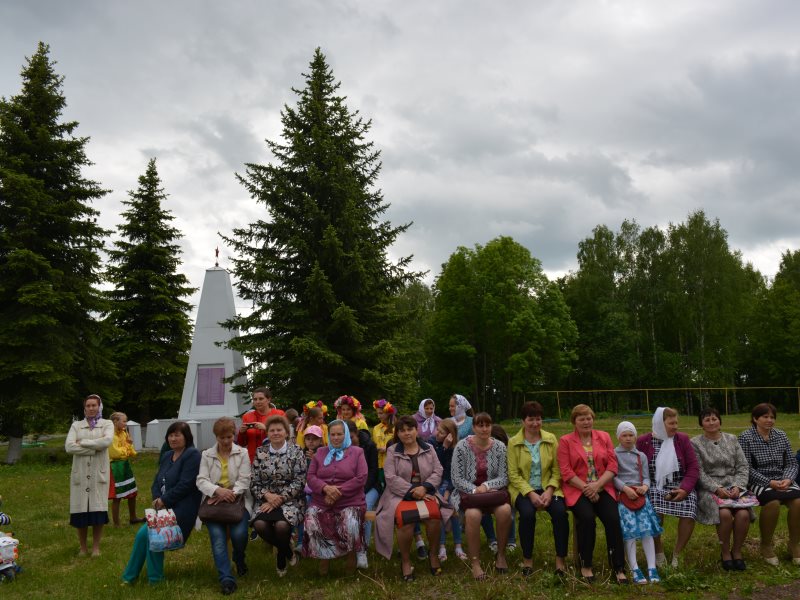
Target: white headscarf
428	425
667	460
462	406
625	426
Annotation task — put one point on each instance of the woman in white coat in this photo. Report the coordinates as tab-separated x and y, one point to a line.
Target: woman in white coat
88	441
225	477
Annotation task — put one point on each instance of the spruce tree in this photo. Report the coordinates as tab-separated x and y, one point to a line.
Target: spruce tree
315	268
49	258
151	327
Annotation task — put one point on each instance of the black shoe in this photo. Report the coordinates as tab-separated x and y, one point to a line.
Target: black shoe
253	535
241	569
728	565
422	552
407	578
527	571
228	587
738	564
621	579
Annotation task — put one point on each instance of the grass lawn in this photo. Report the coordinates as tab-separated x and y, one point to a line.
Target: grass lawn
36	496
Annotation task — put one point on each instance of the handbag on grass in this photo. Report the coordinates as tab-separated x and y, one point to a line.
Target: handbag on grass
489	499
163	532
226	513
415	511
638	502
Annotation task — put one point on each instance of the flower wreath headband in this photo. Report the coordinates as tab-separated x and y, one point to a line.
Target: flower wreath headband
318	404
385	406
349	400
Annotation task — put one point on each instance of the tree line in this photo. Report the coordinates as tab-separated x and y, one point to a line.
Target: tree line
330	313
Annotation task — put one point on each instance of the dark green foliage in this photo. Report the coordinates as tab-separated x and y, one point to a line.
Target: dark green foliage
661	309
499	328
49	258
315	269
148	313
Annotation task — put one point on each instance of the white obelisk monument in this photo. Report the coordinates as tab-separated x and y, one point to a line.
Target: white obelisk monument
206	396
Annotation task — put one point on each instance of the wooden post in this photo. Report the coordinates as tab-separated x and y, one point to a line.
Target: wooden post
558	402
647	398
726	402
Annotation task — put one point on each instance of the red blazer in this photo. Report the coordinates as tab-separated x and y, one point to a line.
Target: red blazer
572	462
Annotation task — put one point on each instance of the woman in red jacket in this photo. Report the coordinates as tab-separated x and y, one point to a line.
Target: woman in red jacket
588	465
253	431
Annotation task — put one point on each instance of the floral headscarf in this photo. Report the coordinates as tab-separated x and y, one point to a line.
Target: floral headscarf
427	426
462	406
93	420
334	452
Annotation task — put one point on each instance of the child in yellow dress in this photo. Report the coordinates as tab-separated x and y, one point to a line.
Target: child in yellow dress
122	483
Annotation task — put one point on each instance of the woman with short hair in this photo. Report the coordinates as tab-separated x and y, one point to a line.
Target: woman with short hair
588	465
175	487
723	477
480	465
773	469
413	473
224	477
534	482
277	483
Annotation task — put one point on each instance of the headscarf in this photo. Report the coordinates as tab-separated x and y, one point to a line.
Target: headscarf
462	406
333	452
92	421
428	425
667	460
625	426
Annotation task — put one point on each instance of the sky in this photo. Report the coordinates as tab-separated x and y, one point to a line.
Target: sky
535	119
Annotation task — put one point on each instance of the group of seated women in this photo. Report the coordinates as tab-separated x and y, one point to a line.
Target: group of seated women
431	476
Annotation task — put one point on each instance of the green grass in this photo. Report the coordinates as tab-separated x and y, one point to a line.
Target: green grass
36	495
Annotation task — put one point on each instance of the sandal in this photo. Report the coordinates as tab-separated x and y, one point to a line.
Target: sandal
407	577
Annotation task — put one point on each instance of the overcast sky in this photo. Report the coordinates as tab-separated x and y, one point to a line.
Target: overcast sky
534	119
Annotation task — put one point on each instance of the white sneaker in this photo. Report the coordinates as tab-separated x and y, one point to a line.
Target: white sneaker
442	554
661	559
361	560
493	546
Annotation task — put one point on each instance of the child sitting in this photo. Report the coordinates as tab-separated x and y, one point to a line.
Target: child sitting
633	480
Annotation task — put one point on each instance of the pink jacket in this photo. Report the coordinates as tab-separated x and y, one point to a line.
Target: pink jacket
348	474
397	470
572	462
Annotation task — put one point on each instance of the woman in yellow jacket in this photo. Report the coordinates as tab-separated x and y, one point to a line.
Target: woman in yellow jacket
534	482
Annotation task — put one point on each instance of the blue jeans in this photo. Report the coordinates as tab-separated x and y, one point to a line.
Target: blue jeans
455	521
372	499
488	528
217	532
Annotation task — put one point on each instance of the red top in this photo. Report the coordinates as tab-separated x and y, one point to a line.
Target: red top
573	462
254	437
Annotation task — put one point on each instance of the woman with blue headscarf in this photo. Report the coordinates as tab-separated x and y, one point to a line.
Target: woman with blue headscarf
334	519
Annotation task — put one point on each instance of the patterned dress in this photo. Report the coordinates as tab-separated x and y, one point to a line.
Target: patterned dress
283	474
636	524
687	507
722	465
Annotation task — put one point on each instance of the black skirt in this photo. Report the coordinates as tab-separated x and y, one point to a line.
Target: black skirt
88	519
275	514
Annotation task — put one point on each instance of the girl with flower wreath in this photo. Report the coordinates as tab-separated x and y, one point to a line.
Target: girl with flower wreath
348	408
314	413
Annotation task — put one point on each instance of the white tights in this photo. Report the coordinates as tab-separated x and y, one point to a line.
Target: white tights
649	552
